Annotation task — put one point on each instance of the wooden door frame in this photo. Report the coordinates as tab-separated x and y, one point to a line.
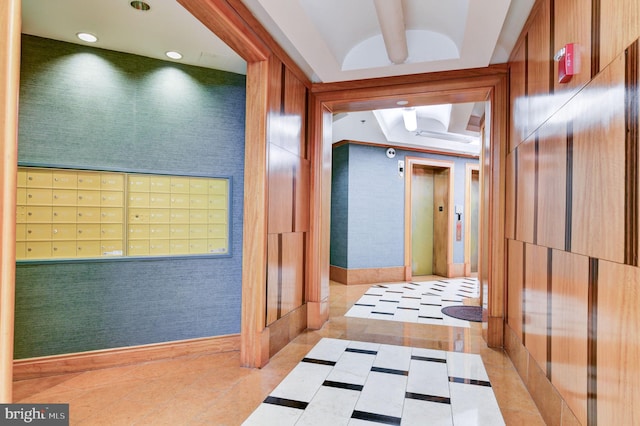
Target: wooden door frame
409	164
470	168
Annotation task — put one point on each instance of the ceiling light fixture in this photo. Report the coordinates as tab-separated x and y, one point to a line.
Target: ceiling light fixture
174	55
391	19
402	103
140	5
410	119
89	38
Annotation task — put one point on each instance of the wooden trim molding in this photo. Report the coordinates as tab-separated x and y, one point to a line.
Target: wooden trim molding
469	169
31	368
10	25
366	275
405	148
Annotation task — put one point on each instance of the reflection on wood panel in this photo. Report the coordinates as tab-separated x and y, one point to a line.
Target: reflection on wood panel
301	196
618	350
515	285
599	166
294	113
281	185
525	198
552	165
569	337
517	91
535	303
285	283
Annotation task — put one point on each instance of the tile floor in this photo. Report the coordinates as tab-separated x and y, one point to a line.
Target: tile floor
420	302
345	382
212	389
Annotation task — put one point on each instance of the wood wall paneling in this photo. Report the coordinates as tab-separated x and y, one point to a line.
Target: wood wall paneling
292	272
569	338
598	192
526	194
515	286
301	195
295	117
552	190
517	94
573	25
619	27
539	62
535	304
274	278
510	218
618	344
282	166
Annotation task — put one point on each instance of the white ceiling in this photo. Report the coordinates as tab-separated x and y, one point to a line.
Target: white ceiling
331	40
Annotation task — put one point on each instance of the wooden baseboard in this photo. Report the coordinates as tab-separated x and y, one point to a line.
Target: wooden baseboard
366	276
287	328
455	270
31	368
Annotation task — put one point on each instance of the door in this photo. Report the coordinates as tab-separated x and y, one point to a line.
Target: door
422	192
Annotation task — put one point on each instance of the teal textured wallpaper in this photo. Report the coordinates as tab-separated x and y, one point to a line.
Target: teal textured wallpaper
84	107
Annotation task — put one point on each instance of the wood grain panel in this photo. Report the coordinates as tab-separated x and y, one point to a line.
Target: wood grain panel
552	190
515	286
598	193
274	279
525	198
539	62
293	252
618	344
619	27
10	24
254	349
535	304
573	25
281	189
569	326
510	218
275	118
301	196
517	93
295	117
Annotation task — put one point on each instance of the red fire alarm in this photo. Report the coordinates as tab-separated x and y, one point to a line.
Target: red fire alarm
568	59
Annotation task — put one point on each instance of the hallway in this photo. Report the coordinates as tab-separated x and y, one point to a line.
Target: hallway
211	389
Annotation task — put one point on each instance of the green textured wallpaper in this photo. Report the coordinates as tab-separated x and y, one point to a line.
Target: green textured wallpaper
84	107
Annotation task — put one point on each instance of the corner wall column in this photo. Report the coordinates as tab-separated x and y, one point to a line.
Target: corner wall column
10	27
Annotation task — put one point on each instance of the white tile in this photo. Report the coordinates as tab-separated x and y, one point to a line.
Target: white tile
394	357
454	322
428	378
387	307
474	405
368	300
352	368
466	366
386	317
358	422
429	353
418	412
330	406
431	311
359	311
406	302
406	315
302	382
273	415
383	394
328	349
367	346
430	321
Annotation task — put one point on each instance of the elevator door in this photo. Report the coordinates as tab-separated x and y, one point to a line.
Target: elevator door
422	192
474	214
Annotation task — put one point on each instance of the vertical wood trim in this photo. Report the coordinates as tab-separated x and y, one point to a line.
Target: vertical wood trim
524	294
568	211
552	43
317	291
470	168
280	249
515	192
549	309
526	86
595	36
10	26
631	156
536	151
254	245
592	348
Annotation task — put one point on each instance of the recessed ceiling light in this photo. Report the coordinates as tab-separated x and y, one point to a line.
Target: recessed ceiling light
174	55
89	38
140	5
402	103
